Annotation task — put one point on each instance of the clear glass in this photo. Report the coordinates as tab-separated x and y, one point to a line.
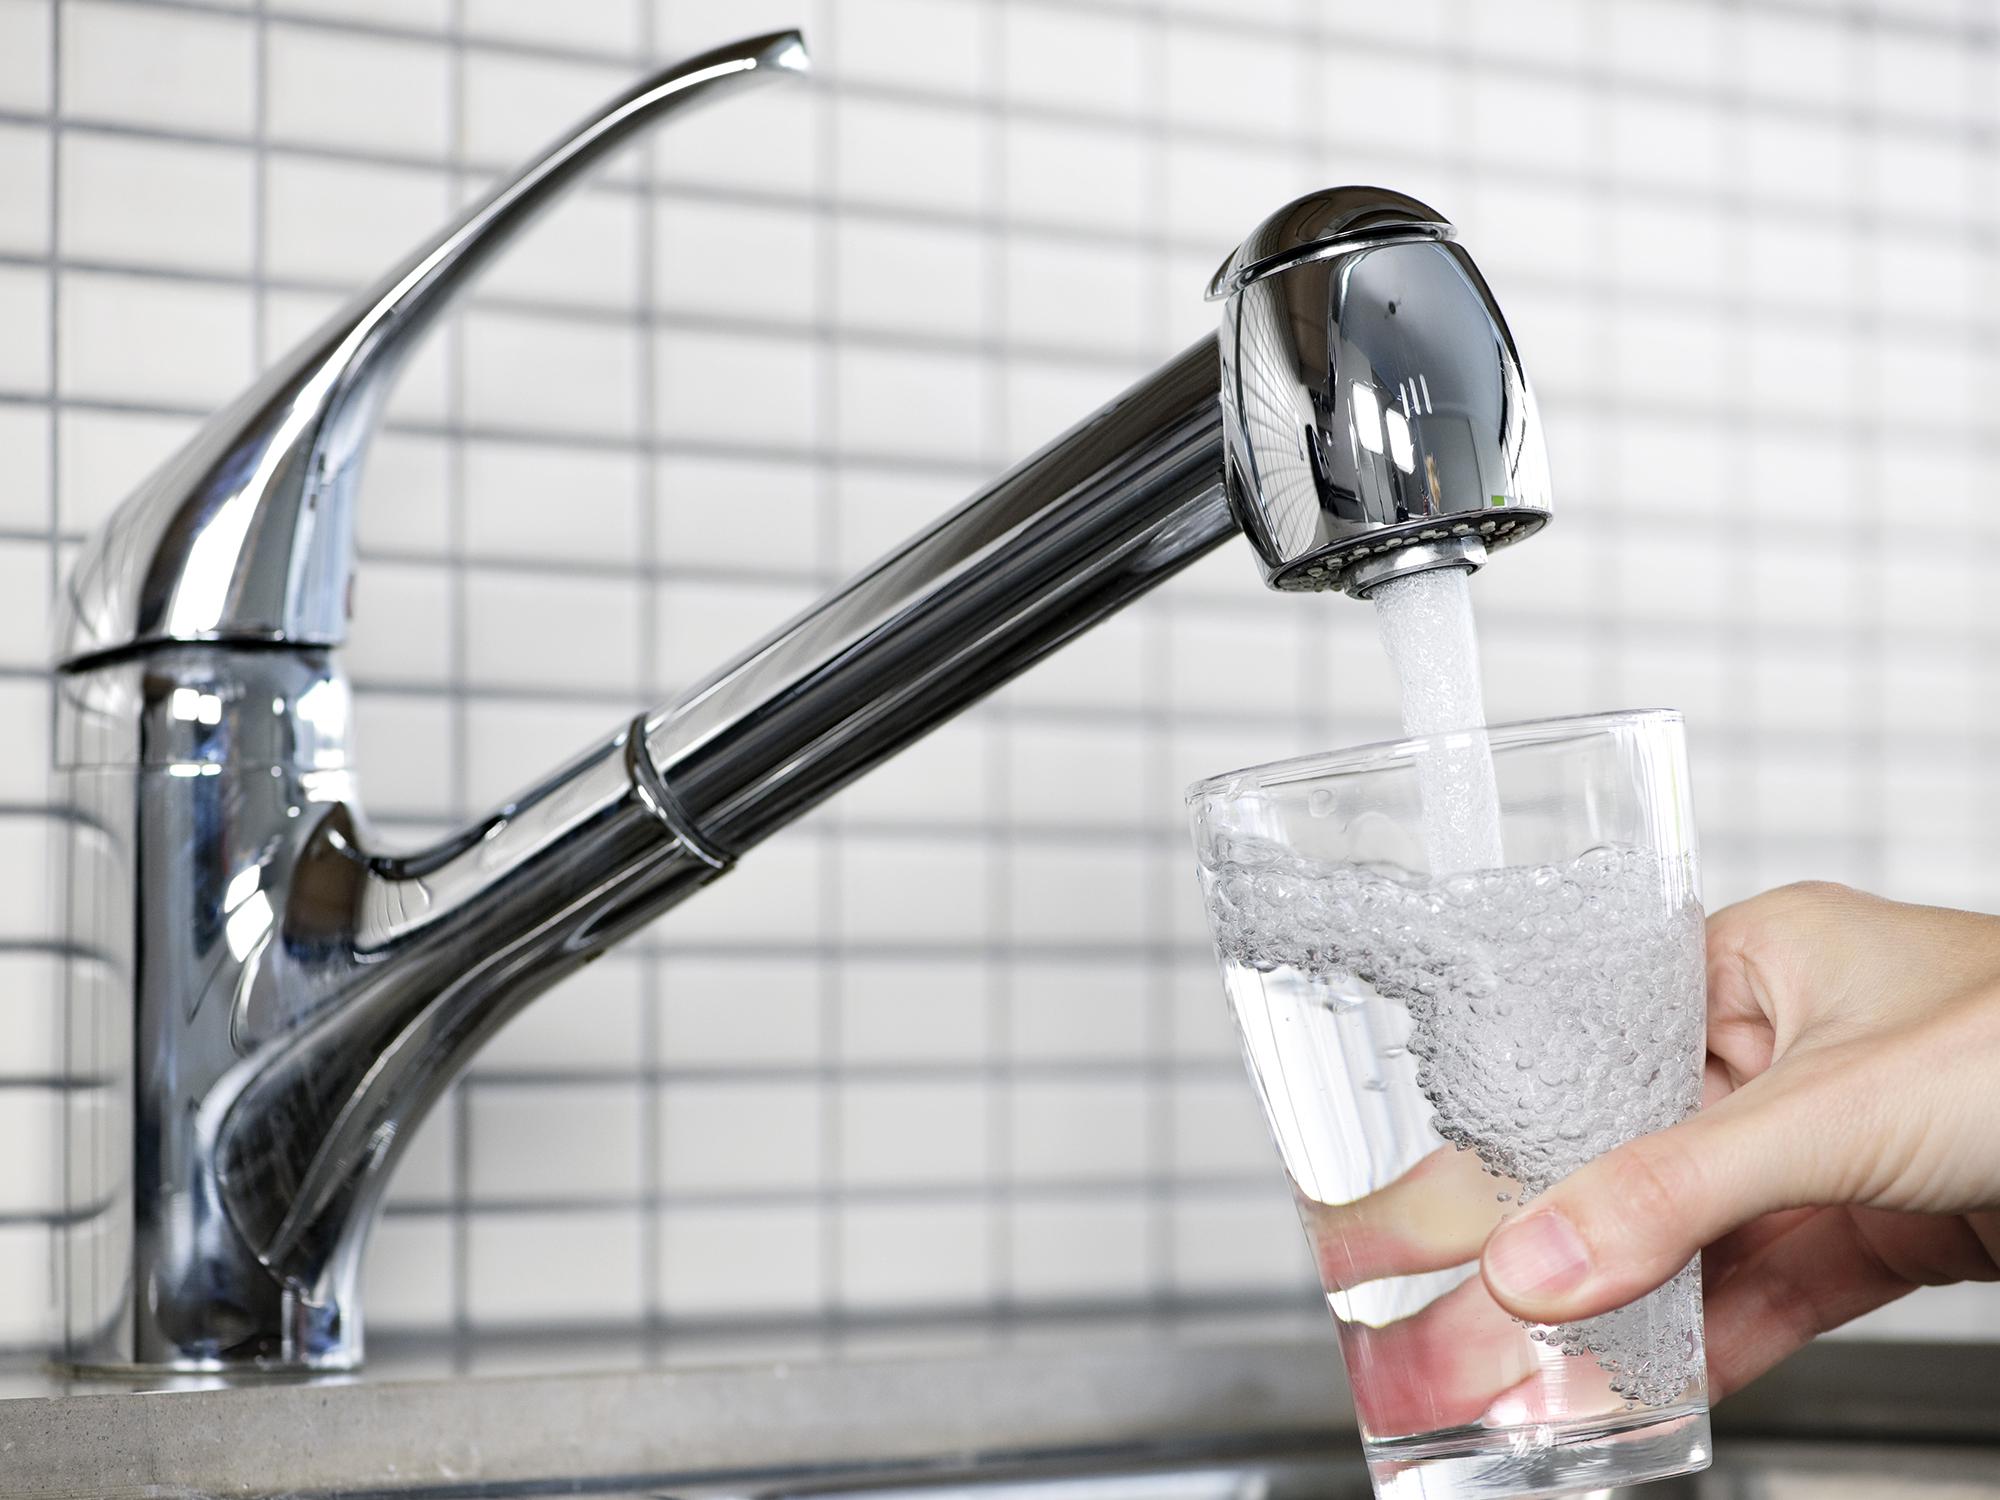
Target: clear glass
1431	1050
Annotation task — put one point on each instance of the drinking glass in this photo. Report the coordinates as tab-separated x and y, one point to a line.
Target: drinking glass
1435	1046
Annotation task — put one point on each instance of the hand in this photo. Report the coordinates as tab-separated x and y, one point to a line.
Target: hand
1849	1150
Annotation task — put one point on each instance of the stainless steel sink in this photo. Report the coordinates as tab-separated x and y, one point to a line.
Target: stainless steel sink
1746	1470
1749	1470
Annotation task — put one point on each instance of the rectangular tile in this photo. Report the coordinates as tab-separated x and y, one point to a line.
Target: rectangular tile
515	742
937	45
147	65
1218	1129
702	626
152	204
1220	76
1064	1250
929	156
139	338
347	222
514	105
899	1133
26	496
738	1135
1084	1131
1072	58
1059	173
405	742
407	1271
914	1011
549	1141
610	25
918	891
1081	776
1069	295
405	495
748	1009
1077	894
28	1314
762	393
374	93
914	1255
540	502
596	1256
947	776
1671	41
919	279
766	141
30	1169
756	1261
428	15
403	627
24	206
27	906
545	373
25	597
1077	1009
24	313
763	261
775	896
591	1021
910	403
1240	1242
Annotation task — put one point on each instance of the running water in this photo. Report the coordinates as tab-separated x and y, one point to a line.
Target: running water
1426	625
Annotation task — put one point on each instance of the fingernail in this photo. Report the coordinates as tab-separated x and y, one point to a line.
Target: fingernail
1539	1252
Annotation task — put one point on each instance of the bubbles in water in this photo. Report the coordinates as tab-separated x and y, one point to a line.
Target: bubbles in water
1551	1019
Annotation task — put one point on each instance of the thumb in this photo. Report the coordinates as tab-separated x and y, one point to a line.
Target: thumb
1625	1223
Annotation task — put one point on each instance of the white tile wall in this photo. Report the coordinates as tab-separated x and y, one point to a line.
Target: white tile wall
955	1042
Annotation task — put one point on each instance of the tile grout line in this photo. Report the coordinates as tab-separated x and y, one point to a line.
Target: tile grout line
652	1230
1511	64
60	1240
1160	1265
458	643
994	725
830	1015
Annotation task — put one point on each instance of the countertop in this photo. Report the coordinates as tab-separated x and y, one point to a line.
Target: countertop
750	1415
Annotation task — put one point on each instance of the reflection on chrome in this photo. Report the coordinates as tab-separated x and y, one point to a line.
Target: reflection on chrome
262	1003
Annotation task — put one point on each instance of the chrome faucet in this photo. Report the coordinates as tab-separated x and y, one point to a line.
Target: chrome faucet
261	1004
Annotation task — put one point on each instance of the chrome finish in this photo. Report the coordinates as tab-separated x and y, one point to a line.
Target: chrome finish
263	1002
1322	225
1417	557
1372	393
246	533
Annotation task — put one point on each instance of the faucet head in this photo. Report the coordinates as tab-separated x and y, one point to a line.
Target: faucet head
1376	418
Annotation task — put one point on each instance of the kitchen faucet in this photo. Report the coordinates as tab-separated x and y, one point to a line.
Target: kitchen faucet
262	1004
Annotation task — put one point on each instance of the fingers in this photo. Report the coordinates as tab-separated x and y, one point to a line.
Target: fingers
1623	1224
1441	1367
1820	1273
1721	1260
1433	1217
1786	961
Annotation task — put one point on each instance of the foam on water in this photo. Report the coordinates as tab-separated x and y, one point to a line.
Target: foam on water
1427	629
1549	1019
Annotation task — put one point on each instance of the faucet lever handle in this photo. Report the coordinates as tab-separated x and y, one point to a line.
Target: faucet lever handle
245	534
